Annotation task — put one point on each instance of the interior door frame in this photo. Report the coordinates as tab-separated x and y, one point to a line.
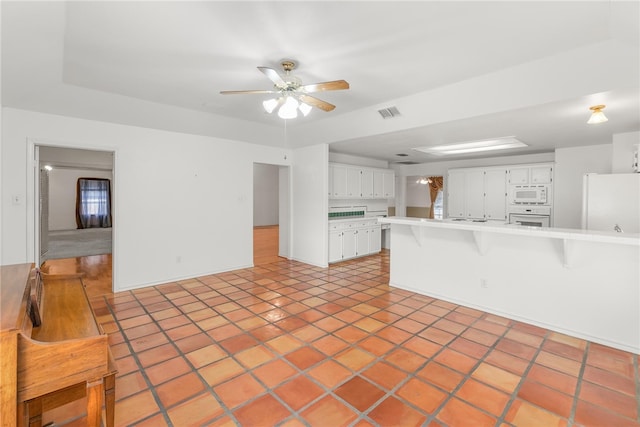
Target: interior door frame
33	197
284	190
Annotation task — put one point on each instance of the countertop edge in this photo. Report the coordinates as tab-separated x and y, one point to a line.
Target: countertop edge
520	230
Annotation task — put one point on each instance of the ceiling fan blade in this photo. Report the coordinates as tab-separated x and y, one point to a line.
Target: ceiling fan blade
242	92
315	102
321	87
273	76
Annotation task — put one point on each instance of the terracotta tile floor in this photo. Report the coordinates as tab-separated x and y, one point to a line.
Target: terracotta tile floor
292	345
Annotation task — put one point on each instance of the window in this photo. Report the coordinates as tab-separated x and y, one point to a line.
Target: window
438	206
93	203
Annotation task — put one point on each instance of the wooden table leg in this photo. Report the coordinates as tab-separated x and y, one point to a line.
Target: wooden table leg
34	412
95	391
110	398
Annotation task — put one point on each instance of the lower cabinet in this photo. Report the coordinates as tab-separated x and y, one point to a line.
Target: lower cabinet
353	239
335	246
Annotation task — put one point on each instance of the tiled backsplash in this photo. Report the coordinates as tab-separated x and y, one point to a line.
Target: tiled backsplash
345	214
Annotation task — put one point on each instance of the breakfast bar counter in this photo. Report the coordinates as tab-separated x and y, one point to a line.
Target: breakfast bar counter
578	282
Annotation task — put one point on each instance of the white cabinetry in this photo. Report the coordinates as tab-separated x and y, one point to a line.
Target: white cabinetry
349	243
367	184
389	184
477	193
474	194
455	194
519	175
338	180
481	193
362	241
522	175
355	182
378	184
541	174
335	246
375	239
354	238
495	194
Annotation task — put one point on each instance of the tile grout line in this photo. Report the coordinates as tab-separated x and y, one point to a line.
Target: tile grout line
576	395
523	377
141	369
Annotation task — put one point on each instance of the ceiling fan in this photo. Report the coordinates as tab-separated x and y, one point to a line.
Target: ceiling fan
292	95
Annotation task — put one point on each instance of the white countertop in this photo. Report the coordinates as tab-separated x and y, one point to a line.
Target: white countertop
516	229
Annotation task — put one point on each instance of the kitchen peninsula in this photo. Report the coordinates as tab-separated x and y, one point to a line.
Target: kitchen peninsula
582	283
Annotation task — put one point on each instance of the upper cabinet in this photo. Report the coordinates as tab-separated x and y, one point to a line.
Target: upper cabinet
478	193
481	193
357	182
523	175
541	174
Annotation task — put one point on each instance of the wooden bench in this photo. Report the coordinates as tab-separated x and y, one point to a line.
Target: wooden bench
56	350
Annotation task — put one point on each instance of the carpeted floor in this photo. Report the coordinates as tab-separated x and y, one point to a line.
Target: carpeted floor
75	243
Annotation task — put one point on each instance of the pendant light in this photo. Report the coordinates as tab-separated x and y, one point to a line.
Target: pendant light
597	116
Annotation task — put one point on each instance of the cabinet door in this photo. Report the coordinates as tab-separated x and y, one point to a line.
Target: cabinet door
353	183
335	246
455	194
338	181
378	184
362	241
474	194
366	183
349	244
389	184
495	199
541	175
375	239
519	176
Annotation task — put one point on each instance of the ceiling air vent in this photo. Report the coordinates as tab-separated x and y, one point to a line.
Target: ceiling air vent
408	162
389	113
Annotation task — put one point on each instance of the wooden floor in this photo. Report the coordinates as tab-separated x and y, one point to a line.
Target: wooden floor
96	268
265	244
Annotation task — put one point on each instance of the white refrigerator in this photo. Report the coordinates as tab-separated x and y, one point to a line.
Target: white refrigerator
611	202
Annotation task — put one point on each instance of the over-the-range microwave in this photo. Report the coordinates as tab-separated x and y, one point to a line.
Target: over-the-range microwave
530	194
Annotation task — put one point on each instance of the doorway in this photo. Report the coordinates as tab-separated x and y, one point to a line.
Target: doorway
271	216
424	198
59	239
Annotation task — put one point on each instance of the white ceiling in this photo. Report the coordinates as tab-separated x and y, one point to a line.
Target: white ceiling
456	70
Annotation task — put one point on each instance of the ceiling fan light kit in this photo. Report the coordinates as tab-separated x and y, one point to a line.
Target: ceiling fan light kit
292	94
597	116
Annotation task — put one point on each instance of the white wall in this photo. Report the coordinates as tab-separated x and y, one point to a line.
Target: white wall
310	180
571	165
624	144
284	212
175	213
62	195
265	194
418	195
357	160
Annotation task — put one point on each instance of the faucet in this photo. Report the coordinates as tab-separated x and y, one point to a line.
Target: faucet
617	228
